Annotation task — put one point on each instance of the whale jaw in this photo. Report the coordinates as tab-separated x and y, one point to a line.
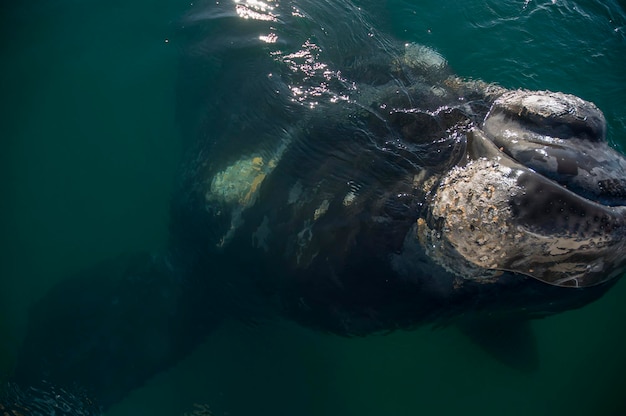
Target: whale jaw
500	210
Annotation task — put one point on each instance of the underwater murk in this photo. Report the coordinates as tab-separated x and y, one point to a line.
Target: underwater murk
98	105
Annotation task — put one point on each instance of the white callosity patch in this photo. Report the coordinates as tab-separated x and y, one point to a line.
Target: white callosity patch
349	198
321	210
423	60
549	105
237	186
477	232
305	253
422	57
472	201
238	183
303	239
295	192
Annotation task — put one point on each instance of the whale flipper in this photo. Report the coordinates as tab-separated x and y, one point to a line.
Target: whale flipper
112	327
510	341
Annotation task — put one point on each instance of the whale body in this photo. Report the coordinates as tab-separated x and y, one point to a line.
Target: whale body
351	183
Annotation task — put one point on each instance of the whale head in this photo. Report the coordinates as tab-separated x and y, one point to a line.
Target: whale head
538	191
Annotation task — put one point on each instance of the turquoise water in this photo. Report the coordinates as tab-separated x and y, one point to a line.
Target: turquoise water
91	152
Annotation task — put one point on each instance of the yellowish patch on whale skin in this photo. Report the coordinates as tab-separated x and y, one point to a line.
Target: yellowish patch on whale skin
238	186
321	210
349	199
240	182
257	162
256	182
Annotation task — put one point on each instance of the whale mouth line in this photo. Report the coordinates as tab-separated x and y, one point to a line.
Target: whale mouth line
563	174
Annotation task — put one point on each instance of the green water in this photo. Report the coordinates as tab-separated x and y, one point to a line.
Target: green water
90	151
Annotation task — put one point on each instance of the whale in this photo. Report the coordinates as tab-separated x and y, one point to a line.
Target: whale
353	184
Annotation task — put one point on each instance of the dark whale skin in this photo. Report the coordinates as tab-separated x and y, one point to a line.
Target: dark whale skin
360	271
